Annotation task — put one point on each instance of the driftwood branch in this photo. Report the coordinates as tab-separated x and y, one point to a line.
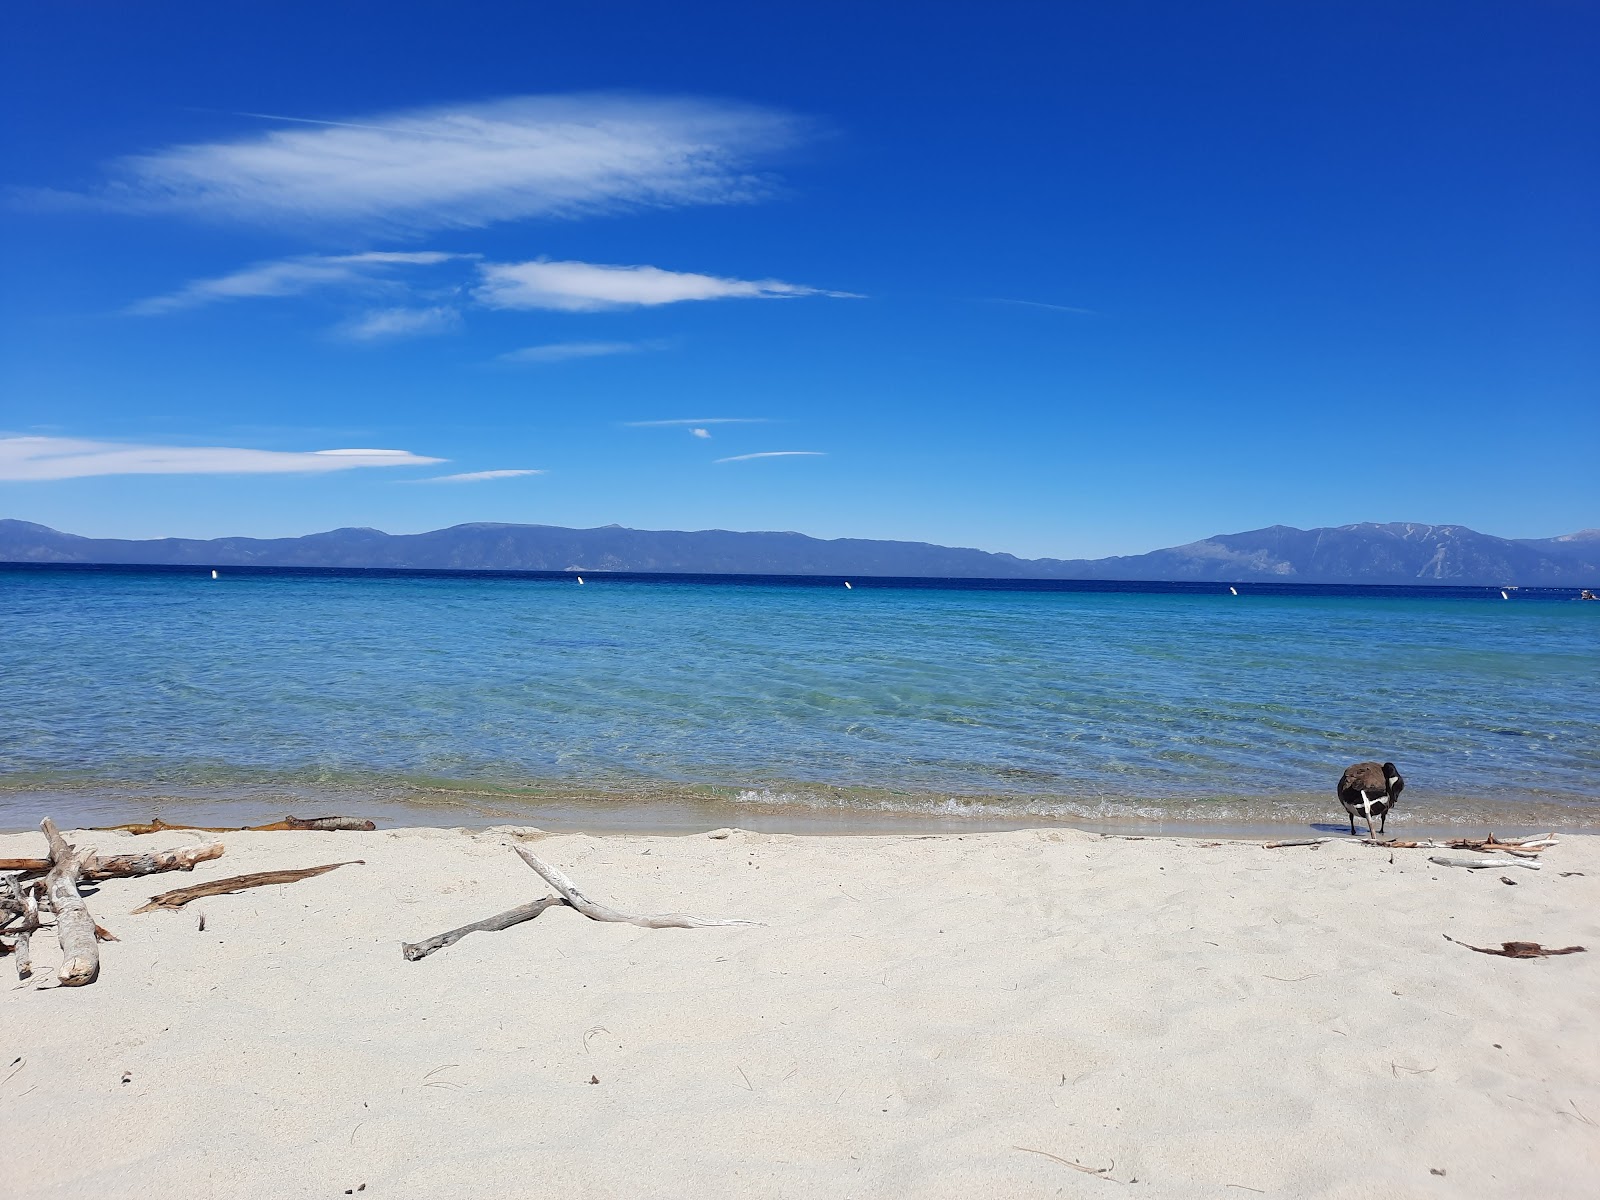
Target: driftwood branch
355	824
1520	949
123	866
75	928
599	912
515	916
1316	841
1479	864
178	897
23	904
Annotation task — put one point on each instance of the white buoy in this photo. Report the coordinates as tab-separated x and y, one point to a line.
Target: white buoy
213	574
1503	595
1233	589
847	585
580	578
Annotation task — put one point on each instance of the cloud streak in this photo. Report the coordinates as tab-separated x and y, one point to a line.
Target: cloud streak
465	165
386	324
593	287
477	476
555	352
775	454
32	459
290	277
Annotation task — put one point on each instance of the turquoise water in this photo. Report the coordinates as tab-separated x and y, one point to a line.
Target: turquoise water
537	699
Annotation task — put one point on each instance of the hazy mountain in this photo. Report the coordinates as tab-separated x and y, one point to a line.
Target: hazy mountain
1365	553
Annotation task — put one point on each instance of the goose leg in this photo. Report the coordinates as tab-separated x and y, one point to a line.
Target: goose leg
1352	814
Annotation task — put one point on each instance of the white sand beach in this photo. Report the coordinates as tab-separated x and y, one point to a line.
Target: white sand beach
944	1016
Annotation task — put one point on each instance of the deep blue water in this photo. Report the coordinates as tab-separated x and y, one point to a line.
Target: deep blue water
522	694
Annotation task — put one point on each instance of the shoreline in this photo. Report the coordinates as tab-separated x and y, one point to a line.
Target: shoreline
946	1015
810	810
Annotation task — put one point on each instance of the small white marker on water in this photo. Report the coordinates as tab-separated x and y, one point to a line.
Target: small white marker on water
580	578
1233	589
213	574
847	585
1503	596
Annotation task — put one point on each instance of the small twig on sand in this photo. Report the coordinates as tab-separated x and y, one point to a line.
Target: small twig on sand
1097	1172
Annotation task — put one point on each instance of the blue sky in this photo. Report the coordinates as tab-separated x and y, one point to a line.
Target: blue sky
1059	279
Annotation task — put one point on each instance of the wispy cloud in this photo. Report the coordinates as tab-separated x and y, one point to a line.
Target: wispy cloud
565	351
700	433
1066	308
591	287
26	459
385	324
476	476
290	277
775	454
698	421
465	165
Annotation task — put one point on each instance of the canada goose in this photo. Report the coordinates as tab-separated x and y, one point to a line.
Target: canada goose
1372	788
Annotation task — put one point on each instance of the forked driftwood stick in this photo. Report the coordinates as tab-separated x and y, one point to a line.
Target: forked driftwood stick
1520	949
599	912
123	866
514	916
178	897
1479	864
75	928
356	824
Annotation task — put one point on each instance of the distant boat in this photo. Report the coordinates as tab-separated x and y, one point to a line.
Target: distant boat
213	574
1503	595
847	585
1233	589
580	578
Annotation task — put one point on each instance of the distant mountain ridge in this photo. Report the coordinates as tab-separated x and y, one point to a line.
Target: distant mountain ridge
1394	553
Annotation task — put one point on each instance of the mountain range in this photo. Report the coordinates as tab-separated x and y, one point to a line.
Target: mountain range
1393	553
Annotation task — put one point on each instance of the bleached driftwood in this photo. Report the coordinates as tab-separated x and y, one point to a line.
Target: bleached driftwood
22	905
124	866
1316	841
178	897
356	824
75	928
1479	864
514	916
599	912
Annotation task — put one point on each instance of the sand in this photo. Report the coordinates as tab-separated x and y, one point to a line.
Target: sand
916	1016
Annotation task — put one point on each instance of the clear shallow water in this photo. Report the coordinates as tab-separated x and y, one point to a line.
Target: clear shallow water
677	701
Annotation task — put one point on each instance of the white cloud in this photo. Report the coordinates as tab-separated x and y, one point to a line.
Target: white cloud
591	287
700	433
290	277
775	454
475	476
384	323
565	351
465	165
698	421
41	458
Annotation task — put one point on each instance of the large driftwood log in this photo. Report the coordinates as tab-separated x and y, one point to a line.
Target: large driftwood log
178	897
355	824
514	916
599	912
75	928
123	866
